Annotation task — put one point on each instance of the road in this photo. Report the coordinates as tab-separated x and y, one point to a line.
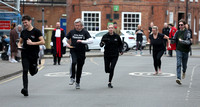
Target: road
134	85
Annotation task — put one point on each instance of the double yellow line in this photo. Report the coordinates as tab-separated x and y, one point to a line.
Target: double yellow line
15	77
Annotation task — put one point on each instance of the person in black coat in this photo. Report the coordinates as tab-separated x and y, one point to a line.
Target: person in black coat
57	45
113	46
165	31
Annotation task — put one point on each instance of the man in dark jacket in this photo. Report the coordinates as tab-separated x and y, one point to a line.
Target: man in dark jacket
113	46
58	49
165	31
183	43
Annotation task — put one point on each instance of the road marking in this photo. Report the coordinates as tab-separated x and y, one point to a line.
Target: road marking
191	80
10	79
150	74
92	60
18	76
64	74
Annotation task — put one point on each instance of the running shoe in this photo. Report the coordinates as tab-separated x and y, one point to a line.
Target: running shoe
110	85
183	76
71	82
178	81
78	86
24	92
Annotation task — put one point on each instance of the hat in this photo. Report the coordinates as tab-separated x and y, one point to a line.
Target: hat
115	23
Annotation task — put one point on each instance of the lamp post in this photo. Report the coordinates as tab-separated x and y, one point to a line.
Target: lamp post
186	11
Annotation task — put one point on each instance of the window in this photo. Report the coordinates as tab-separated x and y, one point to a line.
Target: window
92	20
191	0
196	0
182	0
130	20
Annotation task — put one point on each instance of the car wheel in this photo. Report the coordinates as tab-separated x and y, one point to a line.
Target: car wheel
125	47
87	48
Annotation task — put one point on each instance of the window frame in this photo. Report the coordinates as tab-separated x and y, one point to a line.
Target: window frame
137	23
99	22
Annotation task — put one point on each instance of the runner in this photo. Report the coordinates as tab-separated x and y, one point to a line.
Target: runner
157	40
78	38
113	46
31	38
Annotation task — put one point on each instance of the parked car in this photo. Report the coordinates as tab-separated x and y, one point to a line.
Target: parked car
129	40
144	42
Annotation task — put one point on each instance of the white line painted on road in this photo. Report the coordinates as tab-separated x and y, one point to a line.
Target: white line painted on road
92	60
64	74
191	80
150	74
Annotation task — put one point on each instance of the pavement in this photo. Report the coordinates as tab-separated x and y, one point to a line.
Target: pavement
8	69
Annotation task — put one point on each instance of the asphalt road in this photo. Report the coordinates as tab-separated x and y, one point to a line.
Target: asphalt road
134	85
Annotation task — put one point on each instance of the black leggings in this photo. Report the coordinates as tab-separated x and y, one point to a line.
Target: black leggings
79	60
110	63
157	59
139	45
28	64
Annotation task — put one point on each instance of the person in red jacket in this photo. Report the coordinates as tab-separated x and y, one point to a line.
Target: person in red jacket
57	45
171	35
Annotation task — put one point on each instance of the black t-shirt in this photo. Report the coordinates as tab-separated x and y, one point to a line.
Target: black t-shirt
75	35
33	35
150	29
139	35
166	31
157	43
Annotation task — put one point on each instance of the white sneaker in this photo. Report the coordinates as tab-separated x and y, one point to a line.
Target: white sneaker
13	61
178	81
78	86
71	82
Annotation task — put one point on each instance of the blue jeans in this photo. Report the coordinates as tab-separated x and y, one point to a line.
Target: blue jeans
182	58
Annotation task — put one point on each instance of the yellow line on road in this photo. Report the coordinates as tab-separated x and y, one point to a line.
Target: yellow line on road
15	77
92	60
11	79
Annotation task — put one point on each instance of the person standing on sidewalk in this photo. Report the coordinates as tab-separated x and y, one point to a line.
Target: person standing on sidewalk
183	42
165	31
113	46
187	26
171	35
14	36
58	49
77	38
157	40
31	38
139	33
116	29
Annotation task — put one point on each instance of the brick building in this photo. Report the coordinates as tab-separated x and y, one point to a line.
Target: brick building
54	10
129	13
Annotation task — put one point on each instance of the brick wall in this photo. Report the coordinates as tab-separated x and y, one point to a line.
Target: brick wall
151	11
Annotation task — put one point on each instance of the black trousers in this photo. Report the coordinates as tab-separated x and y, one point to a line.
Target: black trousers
139	45
110	63
55	59
29	64
77	60
170	52
157	59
